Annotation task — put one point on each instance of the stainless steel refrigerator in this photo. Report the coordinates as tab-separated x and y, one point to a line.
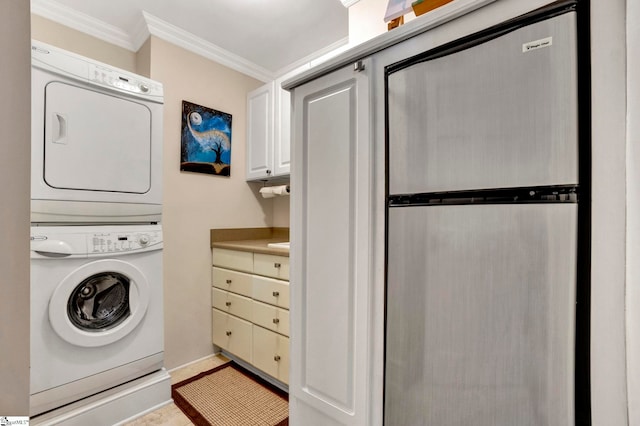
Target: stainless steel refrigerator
483	229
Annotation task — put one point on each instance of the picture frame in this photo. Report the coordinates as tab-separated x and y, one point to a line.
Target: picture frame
205	140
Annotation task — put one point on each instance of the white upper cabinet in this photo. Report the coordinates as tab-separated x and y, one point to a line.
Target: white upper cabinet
281	130
260	133
269	130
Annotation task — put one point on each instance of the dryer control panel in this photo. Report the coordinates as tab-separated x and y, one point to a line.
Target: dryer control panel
121	80
69	64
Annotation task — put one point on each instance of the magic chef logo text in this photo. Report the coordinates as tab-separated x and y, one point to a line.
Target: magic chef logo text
537	44
10	421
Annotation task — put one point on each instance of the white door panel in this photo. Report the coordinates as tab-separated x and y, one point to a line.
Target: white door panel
330	266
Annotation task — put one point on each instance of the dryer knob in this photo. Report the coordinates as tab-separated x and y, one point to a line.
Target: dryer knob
144	240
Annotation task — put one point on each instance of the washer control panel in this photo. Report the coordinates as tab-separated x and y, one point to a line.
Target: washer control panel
118	242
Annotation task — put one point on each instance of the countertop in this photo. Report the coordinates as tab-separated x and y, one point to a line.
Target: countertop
251	239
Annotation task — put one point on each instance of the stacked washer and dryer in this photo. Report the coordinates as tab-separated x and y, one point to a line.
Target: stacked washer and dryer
97	334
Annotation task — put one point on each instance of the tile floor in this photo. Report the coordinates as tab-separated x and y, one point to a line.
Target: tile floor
170	415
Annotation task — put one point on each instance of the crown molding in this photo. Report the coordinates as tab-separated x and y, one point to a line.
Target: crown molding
168	32
146	26
140	33
81	22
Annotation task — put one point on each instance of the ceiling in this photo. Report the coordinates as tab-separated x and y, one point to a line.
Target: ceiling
267	37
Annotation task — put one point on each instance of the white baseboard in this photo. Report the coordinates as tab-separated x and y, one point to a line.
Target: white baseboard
195	361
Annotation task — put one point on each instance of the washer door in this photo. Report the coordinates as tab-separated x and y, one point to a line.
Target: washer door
99	303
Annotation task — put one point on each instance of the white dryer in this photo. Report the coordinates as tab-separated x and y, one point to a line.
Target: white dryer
96	145
96	310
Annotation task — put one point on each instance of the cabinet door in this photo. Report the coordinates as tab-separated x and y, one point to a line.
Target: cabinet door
260	133
271	266
233	259
271	353
271	317
231	303
273	292
232	334
330	228
282	131
235	282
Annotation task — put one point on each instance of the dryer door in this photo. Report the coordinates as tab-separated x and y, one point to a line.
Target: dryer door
96	142
99	303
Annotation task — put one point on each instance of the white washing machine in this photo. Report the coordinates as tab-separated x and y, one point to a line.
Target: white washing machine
96	150
96	310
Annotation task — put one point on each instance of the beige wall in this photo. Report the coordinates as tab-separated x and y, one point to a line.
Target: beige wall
14	208
67	38
281	212
366	20
143	59
195	203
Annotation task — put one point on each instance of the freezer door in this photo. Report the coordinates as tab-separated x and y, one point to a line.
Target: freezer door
499	114
481	315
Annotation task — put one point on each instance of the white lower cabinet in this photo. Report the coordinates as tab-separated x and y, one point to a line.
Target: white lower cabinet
232	303
273	292
235	282
271	266
271	353
233	334
251	309
236	260
271	317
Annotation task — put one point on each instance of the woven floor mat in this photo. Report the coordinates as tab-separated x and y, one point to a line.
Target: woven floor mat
228	395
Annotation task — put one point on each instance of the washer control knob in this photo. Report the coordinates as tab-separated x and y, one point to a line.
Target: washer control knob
144	88
144	240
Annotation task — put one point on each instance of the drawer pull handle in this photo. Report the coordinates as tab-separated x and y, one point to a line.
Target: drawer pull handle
276	358
276	265
228	281
228	303
276	293
228	333
276	320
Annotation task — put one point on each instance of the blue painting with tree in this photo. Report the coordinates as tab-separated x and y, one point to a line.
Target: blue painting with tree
206	140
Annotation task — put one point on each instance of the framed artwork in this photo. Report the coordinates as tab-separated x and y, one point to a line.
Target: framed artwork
205	140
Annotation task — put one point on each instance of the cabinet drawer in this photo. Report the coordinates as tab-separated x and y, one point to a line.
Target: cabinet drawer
271	266
233	259
271	353
232	334
235	282
231	303
273	292
271	317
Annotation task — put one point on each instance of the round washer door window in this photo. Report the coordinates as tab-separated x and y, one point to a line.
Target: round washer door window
99	303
